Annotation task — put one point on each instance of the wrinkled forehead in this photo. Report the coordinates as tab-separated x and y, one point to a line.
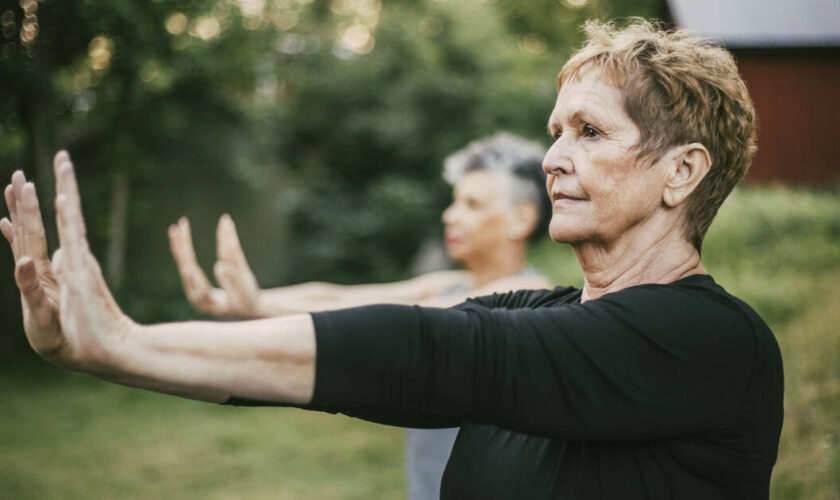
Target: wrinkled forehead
576	70
589	95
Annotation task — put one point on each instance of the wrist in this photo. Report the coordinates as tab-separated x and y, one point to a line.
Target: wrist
262	306
109	358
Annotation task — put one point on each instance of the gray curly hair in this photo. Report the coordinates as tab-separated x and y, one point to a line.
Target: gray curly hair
518	159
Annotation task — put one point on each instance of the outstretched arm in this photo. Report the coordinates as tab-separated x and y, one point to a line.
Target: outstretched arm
240	295
72	320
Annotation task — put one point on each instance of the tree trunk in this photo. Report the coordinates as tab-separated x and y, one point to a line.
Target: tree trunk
36	115
115	263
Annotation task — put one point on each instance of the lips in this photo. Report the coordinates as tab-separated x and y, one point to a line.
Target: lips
560	199
450	239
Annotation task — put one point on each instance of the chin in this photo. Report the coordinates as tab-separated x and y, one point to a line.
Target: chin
455	253
562	233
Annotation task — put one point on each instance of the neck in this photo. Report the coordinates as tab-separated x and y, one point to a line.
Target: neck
636	261
502	262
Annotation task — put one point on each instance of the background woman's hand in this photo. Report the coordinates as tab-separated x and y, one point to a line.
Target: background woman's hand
239	292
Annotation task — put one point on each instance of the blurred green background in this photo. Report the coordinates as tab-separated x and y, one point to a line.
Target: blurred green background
320	126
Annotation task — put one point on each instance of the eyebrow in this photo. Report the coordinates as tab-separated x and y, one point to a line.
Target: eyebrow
581	116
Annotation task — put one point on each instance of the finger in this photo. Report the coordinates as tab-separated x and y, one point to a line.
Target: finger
35	238
221	232
9	194
176	245
8	232
71	224
56	261
186	238
200	293
18	180
181	239
196	284
58	266
233	292
231	247
222	273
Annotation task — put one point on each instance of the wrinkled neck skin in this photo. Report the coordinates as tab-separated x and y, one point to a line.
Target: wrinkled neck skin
503	261
652	252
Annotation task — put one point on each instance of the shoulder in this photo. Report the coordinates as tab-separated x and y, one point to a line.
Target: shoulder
694	310
524	299
435	283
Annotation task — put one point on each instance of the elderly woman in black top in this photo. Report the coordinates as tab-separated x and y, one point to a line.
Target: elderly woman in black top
650	382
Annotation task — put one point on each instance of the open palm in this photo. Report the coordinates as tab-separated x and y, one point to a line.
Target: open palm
70	316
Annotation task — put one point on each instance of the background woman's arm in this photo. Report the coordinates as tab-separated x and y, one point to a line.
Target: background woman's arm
240	295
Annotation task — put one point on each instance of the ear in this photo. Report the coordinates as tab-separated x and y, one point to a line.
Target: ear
522	221
689	165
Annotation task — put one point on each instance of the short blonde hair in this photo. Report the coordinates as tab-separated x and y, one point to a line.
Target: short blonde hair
678	89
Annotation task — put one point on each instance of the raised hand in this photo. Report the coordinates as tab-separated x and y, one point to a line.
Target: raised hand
239	292
70	317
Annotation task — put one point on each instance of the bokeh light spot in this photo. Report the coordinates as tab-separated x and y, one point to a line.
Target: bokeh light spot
100	51
207	28
176	23
533	43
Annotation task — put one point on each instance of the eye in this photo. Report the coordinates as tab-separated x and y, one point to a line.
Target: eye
589	131
556	134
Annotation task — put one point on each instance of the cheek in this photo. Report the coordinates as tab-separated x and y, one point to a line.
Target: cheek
485	229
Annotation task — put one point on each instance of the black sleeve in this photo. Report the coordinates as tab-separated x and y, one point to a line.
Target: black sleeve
647	362
517	299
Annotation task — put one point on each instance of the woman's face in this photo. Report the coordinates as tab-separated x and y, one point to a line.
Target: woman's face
476	222
598	189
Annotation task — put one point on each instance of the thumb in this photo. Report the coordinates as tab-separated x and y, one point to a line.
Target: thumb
32	293
240	300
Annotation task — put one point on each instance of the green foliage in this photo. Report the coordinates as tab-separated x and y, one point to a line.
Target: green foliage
325	148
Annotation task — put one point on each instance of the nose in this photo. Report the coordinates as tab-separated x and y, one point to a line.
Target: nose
557	160
448	215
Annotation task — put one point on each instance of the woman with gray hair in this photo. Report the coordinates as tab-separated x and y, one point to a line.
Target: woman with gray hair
499	203
652	381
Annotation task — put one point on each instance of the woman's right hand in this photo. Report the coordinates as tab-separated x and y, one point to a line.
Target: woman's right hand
69	315
239	292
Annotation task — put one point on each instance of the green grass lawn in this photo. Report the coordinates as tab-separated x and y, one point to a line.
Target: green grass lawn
70	436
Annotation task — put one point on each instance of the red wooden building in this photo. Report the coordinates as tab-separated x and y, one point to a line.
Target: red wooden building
788	52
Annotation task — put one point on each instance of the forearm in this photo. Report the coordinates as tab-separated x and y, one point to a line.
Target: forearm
286	304
270	360
321	296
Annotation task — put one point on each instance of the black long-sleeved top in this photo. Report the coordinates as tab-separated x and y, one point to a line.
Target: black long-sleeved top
655	391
